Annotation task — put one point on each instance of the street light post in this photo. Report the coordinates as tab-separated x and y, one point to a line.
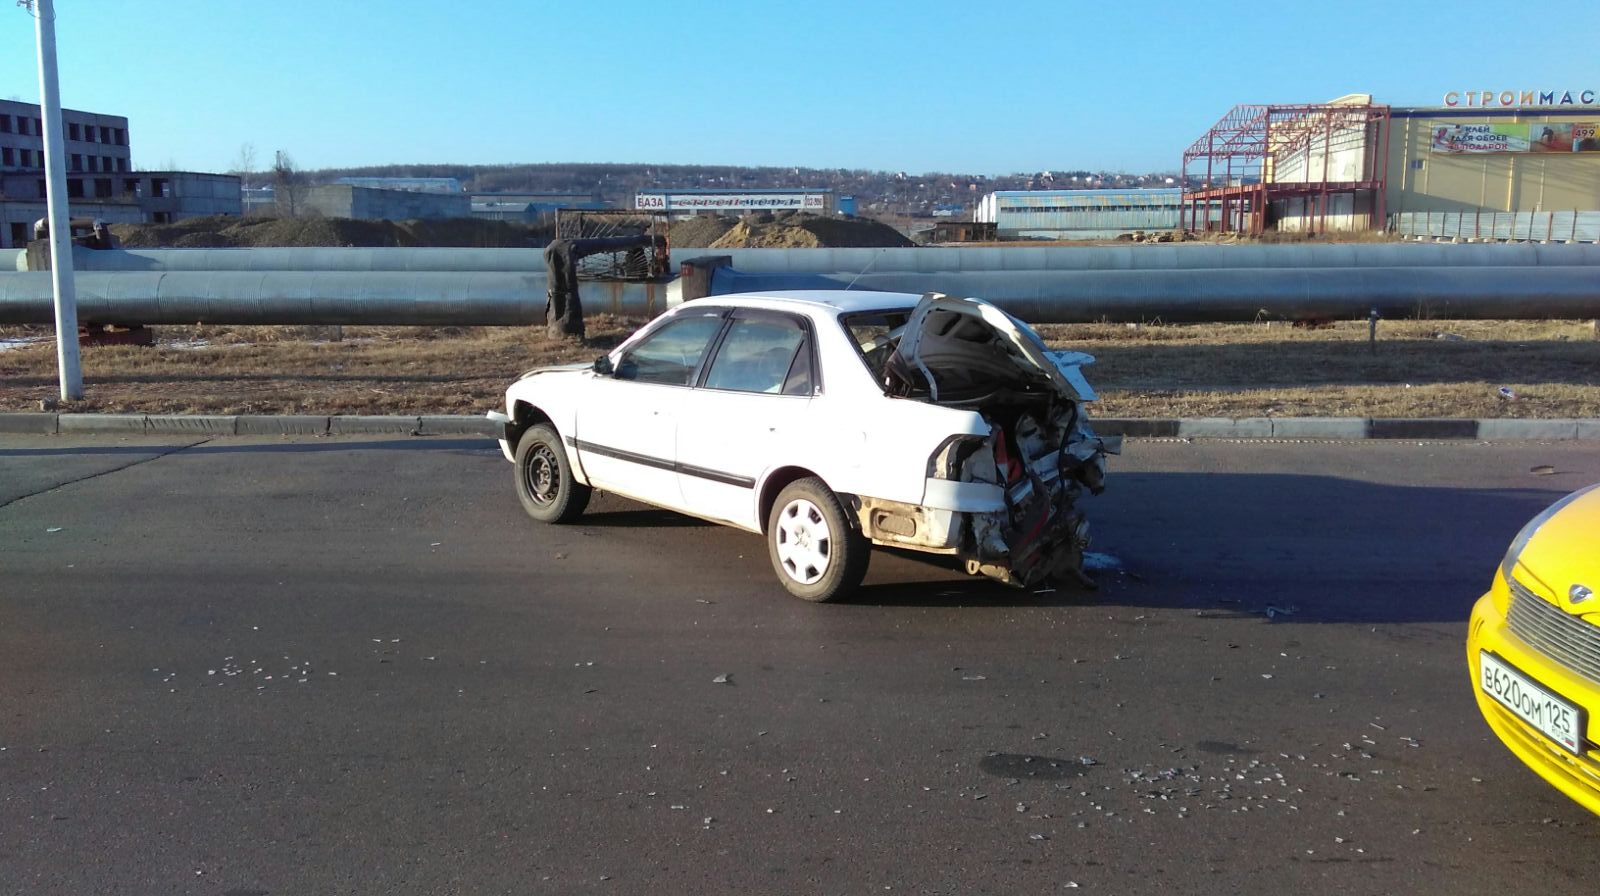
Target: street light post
55	164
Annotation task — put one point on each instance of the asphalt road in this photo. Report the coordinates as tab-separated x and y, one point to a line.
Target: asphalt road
289	666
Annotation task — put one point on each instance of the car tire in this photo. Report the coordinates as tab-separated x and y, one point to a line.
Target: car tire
545	484
816	553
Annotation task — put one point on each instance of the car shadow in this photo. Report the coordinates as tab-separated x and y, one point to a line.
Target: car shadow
198	445
643	518
1281	548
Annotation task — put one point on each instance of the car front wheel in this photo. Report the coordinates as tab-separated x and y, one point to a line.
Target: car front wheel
817	554
545	484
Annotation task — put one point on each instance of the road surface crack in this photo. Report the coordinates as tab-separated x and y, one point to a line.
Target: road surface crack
127	466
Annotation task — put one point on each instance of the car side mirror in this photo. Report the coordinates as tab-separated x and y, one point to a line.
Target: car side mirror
602	365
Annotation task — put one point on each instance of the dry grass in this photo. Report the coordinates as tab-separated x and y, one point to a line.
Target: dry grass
1419	368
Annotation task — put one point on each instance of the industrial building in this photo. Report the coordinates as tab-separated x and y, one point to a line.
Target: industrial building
530	208
346	201
409	184
1483	165
1078	214
689	202
101	181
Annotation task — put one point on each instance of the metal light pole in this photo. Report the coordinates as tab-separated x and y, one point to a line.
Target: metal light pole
55	165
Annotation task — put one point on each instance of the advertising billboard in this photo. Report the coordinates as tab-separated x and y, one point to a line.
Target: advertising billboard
701	202
1538	137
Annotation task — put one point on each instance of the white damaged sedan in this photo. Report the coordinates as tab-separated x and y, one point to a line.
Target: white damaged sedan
827	421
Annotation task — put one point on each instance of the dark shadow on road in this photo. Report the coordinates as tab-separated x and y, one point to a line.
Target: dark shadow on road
1296	548
324	443
643	518
1281	548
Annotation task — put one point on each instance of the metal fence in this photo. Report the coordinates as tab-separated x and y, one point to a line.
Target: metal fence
1536	227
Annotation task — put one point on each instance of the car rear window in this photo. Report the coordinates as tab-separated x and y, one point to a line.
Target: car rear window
875	334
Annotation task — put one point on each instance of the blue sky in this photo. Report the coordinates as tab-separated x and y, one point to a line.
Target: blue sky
964	86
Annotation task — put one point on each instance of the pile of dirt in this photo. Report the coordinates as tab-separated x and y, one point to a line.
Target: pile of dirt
802	230
700	232
228	232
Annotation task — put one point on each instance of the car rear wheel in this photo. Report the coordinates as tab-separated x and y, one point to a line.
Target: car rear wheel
545	484
817	554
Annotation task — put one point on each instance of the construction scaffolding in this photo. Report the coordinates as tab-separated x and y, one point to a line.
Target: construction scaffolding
1271	166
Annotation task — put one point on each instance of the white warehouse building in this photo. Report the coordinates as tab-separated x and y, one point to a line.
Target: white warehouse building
1078	214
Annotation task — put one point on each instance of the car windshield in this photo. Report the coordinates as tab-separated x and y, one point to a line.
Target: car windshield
875	335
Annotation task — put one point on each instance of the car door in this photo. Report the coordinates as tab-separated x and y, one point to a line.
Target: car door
626	427
747	413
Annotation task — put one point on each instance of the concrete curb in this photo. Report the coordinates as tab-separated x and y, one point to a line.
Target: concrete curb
1321	428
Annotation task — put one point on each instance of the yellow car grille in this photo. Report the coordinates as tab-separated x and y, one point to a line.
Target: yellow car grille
1561	636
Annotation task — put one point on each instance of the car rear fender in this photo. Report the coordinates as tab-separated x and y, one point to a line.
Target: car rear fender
776	481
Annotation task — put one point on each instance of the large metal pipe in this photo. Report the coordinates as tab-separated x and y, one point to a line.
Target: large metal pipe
391	259
1234	295
287	297
1173	256
462	299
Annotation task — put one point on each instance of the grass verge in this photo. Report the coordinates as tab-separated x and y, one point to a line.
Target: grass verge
1424	368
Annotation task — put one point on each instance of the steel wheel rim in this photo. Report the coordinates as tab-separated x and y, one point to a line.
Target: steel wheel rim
542	475
803	542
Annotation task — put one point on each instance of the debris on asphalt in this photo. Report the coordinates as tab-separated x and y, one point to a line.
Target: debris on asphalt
974	678
53	529
1542	470
722	679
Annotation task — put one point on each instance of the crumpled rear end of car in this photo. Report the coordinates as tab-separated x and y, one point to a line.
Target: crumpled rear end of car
1041	460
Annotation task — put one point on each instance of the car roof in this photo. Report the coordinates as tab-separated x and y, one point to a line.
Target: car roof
838	300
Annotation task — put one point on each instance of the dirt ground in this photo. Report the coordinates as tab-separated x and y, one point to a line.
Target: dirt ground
1417	369
233	232
784	230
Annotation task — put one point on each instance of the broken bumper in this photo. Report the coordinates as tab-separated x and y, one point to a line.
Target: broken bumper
502	424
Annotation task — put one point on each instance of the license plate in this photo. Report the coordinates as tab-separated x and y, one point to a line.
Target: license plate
1531	702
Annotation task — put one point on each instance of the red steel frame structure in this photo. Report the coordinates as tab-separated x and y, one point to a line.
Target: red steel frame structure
1241	155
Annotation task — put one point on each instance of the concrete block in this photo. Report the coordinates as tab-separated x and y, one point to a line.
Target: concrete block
1225	428
372	425
1319	428
199	424
1421	428
1589	430
267	425
29	423
1527	429
1135	427
437	425
124	423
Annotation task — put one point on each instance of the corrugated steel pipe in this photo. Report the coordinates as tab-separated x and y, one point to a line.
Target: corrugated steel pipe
288	297
466	299
1175	256
1235	295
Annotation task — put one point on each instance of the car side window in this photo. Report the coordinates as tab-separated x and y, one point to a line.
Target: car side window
671	354
759	354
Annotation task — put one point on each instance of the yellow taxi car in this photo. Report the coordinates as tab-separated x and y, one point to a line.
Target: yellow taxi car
1534	647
